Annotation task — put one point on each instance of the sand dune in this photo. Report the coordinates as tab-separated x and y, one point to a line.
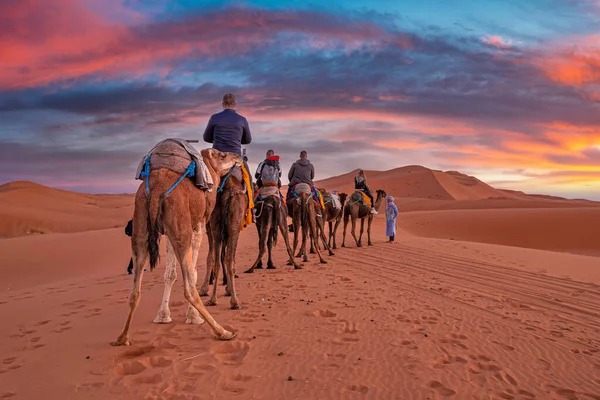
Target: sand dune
26	207
566	229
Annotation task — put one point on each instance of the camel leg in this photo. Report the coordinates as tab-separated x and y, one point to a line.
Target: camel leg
210	258
369	231
230	268
270	264
329	238
140	255
353	232
321	232
193	317
362	229
346	218
262	235
185	257
164	314
284	232
312	222
335	228
303	245
216	269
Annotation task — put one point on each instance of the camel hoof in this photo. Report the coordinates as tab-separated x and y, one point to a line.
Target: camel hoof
227	335
298	267
305	259
312	252
370	244
203	293
331	253
210	303
194	321
271	267
290	263
163	319
236	307
334	247
249	271
235	276
227	294
323	262
258	267
359	245
120	342
343	245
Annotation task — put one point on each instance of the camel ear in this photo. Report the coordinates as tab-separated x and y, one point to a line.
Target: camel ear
206	153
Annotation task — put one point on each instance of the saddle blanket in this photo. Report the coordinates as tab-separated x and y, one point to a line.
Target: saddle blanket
176	155
359	194
267	191
301	188
337	204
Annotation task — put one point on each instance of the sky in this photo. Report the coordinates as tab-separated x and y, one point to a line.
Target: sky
505	90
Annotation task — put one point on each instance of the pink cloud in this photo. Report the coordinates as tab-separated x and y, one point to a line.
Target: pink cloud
55	40
497	41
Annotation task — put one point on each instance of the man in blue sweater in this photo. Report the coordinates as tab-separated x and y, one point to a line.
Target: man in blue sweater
228	130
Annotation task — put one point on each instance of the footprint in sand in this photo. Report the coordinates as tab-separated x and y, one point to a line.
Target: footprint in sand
230	353
441	389
349	327
7	395
129	368
448	359
504	376
359	388
324	313
504	346
9	360
43	322
63	329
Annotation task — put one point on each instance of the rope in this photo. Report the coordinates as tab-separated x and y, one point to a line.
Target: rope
225	180
188	172
146	173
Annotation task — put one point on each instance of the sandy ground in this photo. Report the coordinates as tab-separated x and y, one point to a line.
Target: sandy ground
421	319
478	299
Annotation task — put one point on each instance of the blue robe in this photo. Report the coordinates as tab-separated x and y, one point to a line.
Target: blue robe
391	212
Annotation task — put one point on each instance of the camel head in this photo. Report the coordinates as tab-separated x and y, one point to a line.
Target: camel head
381	194
220	162
343	197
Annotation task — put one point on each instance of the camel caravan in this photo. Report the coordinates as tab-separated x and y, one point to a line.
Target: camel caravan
186	194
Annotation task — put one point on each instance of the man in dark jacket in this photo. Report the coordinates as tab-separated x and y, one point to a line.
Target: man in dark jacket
302	171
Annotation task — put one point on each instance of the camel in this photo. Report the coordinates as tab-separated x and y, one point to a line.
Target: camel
271	215
332	215
181	216
303	210
223	232
355	209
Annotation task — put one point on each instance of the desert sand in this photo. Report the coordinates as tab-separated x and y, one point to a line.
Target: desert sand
481	298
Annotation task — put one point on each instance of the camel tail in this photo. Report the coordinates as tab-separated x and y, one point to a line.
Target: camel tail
155	228
275	225
304	213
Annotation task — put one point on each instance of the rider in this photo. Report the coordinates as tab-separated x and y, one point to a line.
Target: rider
268	172
228	130
302	171
360	183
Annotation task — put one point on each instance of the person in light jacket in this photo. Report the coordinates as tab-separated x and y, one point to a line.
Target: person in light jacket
391	212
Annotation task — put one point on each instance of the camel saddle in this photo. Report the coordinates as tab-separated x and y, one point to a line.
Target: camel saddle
361	196
176	155
267	191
